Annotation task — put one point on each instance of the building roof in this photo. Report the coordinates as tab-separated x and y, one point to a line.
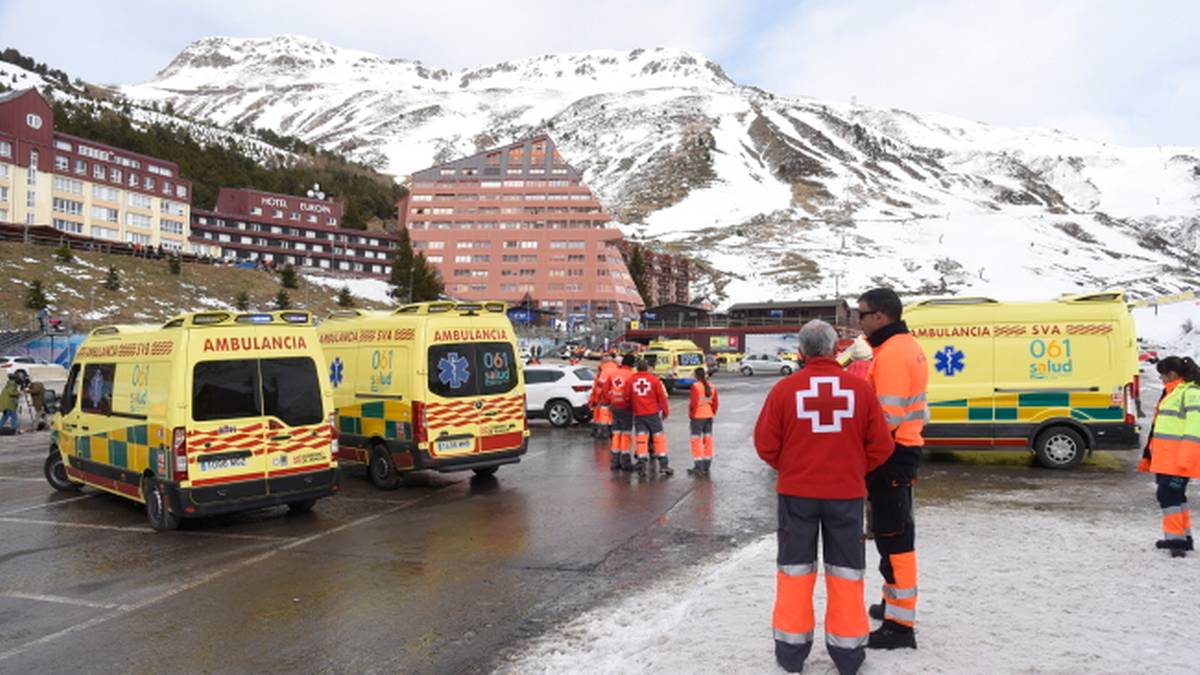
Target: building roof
14	94
499	169
794	304
680	305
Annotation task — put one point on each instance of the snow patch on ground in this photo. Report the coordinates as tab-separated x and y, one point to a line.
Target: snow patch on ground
1002	590
369	289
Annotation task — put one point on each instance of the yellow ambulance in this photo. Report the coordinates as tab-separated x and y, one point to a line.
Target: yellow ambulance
428	386
1059	377
211	412
674	362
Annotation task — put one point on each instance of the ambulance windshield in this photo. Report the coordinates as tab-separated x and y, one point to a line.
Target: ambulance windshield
471	369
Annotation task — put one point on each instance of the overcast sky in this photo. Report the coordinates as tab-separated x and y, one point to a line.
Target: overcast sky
1124	72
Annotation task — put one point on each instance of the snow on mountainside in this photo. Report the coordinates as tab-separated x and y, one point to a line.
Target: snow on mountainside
783	197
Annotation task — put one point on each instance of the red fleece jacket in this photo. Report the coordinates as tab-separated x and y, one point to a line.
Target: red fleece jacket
823	430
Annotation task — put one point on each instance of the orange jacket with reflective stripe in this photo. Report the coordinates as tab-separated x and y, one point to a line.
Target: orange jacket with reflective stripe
1175	445
599	394
900	374
702	407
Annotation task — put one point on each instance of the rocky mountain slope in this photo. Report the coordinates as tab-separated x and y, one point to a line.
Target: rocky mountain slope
782	197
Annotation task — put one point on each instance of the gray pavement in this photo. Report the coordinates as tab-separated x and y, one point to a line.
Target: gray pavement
446	574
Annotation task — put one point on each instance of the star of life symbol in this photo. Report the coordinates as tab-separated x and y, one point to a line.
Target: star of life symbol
336	372
453	370
641	387
949	361
825	404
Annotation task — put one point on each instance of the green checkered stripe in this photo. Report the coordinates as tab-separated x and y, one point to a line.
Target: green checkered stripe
1082	406
375	418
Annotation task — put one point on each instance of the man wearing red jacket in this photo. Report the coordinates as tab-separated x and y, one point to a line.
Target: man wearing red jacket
648	398
822	430
622	435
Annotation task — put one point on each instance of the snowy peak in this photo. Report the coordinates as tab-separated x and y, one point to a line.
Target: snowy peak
222	62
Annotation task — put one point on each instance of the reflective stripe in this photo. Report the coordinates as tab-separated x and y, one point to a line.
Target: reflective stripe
844	572
1175	537
897	612
799	570
1191	408
914	416
840	642
1171	413
902	401
893	593
1171	510
794	638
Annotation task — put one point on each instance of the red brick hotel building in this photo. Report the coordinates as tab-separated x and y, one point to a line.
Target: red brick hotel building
517	223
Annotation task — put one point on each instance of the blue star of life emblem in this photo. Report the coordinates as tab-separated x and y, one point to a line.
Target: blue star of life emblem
335	372
949	361
453	370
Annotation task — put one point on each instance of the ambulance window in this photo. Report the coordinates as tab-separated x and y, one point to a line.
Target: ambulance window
67	404
98	388
472	369
223	390
291	390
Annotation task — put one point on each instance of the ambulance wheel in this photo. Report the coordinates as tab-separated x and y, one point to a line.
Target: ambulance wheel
747	371
383	471
56	474
302	506
157	513
1060	448
486	471
559	413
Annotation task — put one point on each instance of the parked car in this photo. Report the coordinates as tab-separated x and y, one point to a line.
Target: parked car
558	393
38	370
771	364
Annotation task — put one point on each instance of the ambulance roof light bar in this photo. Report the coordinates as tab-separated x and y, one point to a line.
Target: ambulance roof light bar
1105	296
957	301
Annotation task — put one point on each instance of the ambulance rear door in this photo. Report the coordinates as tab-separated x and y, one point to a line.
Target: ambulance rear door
475	404
227	430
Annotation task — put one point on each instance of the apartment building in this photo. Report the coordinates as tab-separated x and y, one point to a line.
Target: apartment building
517	223
83	187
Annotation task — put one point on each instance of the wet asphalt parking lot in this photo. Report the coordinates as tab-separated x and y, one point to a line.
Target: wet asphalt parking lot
446	574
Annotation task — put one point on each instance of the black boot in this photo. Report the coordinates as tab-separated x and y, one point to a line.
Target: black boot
892	635
626	462
664	468
697	469
640	467
876	611
1178	553
707	465
614	462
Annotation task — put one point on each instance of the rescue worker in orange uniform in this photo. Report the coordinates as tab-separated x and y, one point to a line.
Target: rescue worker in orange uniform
1174	450
823	430
899	373
702	408
618	403
598	400
648	399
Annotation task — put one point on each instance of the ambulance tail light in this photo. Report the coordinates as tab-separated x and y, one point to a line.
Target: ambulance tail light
1127	396
524	416
179	452
333	434
419	422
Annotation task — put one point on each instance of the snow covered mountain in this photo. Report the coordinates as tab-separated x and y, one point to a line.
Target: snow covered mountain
783	197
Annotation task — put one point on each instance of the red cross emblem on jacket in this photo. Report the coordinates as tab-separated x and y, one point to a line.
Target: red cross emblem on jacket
646	395
825	404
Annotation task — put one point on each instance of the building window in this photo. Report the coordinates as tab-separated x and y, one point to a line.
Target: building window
98	172
277	213
114	175
69	185
140	201
135	238
67	206
138	220
166	188
5	149
62	163
105	233
181	191
3	194
170	226
81	167
332	221
170	207
148	182
30	202
68	226
31	175
294	216
133	180
311	219
256	210
3	215
106	214
3	171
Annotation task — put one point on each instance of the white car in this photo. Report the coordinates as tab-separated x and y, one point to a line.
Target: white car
558	393
757	364
38	370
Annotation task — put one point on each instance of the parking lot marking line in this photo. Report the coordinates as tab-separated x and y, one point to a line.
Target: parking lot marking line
87	526
43	505
171	592
58	599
